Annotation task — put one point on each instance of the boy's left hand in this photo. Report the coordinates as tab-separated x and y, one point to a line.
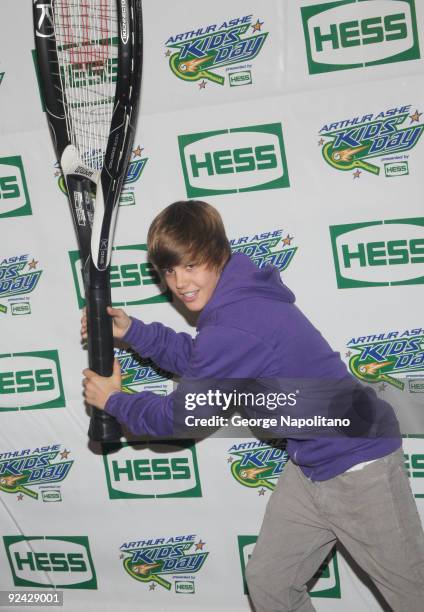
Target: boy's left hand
98	389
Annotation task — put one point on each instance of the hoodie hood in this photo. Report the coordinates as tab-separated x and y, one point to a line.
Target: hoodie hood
241	279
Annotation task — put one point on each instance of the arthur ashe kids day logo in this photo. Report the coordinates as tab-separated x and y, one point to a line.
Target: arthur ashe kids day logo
234	160
395	357
166	562
367	142
14	197
133	279
140	374
51	561
256	464
209	51
30	381
379	253
325	583
19	276
352	34
266	248
154	470
35	473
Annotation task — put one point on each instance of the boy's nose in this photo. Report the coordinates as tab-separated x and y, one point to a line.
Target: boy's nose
180	279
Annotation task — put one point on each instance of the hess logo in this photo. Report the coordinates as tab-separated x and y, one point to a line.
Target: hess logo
160	470
350	34
30	380
51	561
26	381
234	160
379	252
152	469
133	279
14	198
227	161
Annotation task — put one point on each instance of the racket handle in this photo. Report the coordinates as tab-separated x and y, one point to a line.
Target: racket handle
103	426
100	337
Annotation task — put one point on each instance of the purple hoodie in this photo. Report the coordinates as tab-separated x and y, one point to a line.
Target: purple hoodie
249	329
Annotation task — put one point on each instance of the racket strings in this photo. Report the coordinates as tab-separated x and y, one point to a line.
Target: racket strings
86	38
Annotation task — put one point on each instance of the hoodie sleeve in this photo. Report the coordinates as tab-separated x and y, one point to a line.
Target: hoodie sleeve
218	353
168	349
228	352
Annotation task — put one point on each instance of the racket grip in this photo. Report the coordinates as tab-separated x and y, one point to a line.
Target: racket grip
100	336
103	427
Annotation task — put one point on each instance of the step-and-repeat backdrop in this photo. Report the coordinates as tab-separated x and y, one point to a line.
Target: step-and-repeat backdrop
302	122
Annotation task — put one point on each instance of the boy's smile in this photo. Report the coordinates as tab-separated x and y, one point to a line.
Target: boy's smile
193	284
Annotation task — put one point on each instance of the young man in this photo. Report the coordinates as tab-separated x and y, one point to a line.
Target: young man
351	489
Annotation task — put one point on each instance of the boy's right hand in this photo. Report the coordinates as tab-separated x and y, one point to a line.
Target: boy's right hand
120	322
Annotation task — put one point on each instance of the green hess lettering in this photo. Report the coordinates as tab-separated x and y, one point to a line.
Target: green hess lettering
133	275
414	465
228	161
362	32
381	253
26	381
51	562
176	468
9	187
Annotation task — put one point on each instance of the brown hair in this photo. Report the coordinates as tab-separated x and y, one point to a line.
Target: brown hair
188	231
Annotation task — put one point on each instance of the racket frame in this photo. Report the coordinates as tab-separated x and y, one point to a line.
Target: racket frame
94	195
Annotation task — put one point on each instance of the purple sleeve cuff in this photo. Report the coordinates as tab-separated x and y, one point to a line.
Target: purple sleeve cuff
132	332
112	404
143	413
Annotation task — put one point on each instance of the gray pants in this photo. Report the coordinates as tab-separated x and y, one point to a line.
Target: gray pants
371	511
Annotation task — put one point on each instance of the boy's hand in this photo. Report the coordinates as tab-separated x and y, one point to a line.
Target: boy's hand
98	389
121	321
120	324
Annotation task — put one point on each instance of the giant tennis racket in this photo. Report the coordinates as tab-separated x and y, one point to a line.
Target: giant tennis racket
89	57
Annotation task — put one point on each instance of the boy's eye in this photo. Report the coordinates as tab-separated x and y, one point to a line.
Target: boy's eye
168	271
190	266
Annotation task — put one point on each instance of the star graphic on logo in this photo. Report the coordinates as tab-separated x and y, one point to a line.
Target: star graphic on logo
137	151
261	491
321	142
202	84
121	556
382	387
199	545
257	26
348	354
152	586
167	53
32	264
287	240
230	459
415	117
20	496
64	454
356	174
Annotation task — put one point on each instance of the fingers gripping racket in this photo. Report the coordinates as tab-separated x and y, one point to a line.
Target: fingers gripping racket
89	57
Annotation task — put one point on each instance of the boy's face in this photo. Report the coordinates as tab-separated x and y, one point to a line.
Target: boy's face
193	284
